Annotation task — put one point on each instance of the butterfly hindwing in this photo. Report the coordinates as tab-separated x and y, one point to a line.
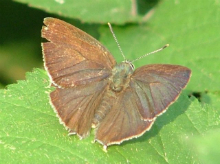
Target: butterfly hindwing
76	106
123	122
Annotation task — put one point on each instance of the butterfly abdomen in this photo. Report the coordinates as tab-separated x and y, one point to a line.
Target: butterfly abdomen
104	107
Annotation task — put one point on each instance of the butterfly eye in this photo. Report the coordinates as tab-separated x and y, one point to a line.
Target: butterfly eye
132	66
116	89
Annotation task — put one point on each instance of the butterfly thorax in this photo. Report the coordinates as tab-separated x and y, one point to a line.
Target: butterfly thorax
121	76
118	82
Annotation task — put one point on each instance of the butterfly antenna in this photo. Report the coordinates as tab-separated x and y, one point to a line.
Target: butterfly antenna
160	49
116	40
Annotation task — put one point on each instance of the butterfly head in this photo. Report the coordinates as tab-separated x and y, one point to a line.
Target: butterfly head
121	74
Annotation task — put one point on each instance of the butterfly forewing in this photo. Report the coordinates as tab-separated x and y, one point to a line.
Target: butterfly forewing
157	86
72	57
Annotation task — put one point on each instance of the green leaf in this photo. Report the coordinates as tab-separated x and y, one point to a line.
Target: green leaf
31	133
207	146
98	11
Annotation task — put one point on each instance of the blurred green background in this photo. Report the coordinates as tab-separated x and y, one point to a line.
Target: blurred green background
20	35
20	39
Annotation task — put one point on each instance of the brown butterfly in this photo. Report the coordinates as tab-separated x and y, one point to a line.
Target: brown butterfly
92	90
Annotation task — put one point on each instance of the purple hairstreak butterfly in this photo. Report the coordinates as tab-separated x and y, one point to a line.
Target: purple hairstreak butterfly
93	91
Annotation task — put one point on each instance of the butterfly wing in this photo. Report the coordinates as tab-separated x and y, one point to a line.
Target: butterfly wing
73	57
157	86
151	90
123	122
79	65
76	106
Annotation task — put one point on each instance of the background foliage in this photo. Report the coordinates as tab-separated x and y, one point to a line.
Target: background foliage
189	132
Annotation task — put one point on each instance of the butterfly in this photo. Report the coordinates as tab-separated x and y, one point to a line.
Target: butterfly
93	91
